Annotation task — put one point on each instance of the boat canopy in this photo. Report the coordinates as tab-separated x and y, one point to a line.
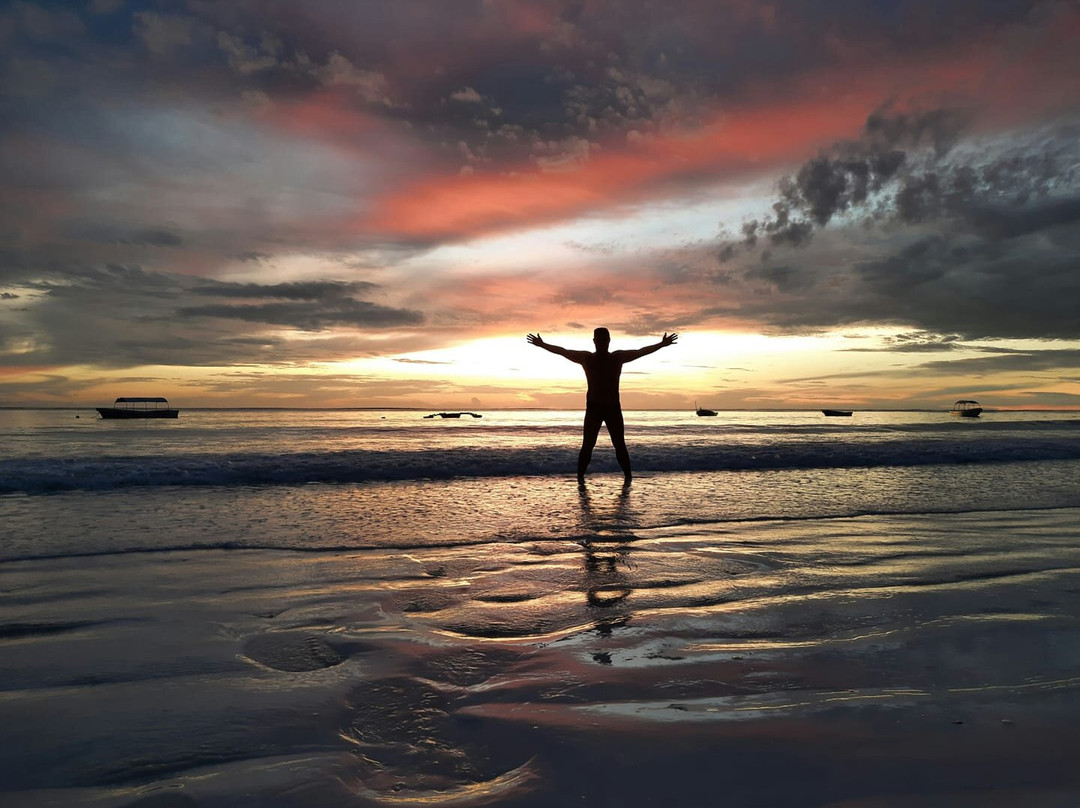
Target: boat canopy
139	400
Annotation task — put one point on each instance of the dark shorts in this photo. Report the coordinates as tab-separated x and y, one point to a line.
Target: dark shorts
606	414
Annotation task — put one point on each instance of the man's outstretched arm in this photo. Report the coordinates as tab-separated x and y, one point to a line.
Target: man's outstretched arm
573	356
630	356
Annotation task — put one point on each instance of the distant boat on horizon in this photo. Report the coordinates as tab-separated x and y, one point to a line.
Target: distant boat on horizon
453	414
966	408
836	412
139	407
702	411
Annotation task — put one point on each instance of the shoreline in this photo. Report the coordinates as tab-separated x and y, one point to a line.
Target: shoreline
874	660
703	526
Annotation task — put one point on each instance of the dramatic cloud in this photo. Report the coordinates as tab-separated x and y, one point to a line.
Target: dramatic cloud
904	170
977	238
272	183
311	316
917	342
943	283
125	315
308	290
1041	361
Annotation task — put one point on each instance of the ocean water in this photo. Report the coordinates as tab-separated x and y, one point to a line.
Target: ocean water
71	483
357	608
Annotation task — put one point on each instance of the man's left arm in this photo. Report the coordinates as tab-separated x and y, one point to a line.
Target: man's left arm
630	356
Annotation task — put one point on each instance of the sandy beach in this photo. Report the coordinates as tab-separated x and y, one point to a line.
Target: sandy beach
927	660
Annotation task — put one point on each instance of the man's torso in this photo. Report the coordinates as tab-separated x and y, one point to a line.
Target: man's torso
602	371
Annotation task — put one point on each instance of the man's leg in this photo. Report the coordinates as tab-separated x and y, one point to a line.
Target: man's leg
588	440
617	430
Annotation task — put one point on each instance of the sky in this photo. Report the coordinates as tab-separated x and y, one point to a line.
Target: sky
842	203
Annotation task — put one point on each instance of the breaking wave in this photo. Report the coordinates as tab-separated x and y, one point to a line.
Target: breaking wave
36	475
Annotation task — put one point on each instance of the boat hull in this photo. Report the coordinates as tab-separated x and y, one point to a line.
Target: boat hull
114	412
975	413
836	413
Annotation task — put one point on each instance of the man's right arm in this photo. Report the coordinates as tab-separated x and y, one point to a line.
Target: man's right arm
573	356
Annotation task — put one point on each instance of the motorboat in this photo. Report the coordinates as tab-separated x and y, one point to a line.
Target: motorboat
139	407
835	413
966	409
453	414
705	412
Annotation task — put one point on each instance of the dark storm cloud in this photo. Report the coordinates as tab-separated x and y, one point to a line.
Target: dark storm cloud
905	170
916	342
944	283
312	316
124	316
1040	364
1009	361
1022	288
832	183
298	290
977	239
1005	222
784	278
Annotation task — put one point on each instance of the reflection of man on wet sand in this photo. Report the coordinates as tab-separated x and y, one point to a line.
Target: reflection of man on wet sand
606	579
602	371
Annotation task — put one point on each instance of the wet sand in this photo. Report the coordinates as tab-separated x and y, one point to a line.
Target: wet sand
867	661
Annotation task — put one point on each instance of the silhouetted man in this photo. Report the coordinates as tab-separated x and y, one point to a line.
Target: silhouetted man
602	371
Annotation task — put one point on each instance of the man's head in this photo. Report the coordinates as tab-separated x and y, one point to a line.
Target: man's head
601	338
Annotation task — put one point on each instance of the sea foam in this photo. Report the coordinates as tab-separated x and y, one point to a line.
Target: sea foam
44	475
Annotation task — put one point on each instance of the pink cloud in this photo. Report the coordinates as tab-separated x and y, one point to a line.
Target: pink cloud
791	124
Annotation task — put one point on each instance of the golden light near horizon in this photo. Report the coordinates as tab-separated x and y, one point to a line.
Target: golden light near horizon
698	360
857	367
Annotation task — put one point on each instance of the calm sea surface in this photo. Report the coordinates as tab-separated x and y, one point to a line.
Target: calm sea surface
71	483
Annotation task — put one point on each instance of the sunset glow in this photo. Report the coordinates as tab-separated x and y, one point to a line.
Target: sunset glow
336	208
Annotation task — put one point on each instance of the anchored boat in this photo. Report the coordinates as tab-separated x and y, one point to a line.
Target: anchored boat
966	409
137	407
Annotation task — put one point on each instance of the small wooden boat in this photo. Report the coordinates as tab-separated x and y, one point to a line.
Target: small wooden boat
966	409
137	407
835	413
453	414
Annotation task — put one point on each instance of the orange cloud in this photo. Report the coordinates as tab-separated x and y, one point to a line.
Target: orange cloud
469	205
761	136
624	292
